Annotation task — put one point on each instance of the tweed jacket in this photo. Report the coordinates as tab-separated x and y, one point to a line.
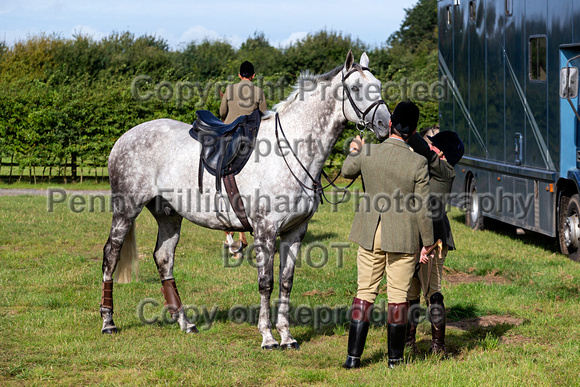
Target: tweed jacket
396	182
241	99
441	176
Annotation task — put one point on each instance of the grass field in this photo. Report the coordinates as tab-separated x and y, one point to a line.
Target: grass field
513	309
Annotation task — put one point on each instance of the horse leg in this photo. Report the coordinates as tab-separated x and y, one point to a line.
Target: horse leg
264	245
120	226
169	227
243	239
289	248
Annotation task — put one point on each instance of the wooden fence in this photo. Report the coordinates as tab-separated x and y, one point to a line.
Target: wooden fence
72	168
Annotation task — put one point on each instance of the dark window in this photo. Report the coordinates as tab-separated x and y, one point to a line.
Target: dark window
472	10
538	58
509	7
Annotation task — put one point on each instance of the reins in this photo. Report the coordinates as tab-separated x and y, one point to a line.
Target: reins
317	185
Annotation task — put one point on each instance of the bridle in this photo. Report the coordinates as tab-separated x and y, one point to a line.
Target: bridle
361	115
317	184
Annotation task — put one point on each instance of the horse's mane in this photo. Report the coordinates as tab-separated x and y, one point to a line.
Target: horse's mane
315	79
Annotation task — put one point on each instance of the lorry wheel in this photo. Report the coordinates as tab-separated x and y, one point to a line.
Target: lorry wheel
570	228
473	215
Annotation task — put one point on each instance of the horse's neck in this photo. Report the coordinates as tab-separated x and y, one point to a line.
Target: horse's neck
312	127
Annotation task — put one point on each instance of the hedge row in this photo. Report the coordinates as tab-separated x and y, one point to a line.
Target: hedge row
72	98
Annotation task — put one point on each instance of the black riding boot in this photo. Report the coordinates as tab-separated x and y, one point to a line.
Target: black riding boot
397	329
437	316
412	324
357	335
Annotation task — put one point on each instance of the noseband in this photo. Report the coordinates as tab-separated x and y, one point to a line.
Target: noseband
360	114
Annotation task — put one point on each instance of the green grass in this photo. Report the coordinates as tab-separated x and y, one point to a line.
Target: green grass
50	277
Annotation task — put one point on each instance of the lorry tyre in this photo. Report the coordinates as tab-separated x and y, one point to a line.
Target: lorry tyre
569	228
473	215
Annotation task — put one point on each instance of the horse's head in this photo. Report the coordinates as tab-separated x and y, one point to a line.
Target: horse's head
362	102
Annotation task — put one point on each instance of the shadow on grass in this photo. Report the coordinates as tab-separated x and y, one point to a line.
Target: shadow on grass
317	237
470	336
313	333
528	238
457	342
462	312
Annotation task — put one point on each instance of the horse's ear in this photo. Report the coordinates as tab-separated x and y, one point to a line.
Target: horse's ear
349	60
364	60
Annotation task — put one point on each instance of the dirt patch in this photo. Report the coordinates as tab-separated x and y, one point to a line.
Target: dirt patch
484	321
456	277
315	292
516	339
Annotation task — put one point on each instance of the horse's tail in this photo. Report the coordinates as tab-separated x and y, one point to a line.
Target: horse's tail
129	260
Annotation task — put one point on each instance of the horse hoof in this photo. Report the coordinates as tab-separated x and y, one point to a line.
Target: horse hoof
293	345
192	329
109	331
271	347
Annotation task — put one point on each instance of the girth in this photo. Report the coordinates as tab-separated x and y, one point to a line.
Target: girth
226	148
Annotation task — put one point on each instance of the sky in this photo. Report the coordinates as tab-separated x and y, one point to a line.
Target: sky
180	22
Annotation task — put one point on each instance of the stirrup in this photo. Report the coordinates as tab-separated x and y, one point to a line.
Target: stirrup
236	247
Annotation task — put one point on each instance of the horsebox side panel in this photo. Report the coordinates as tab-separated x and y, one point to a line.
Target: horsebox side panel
560	22
446	104
575	25
515	78
536	89
477	74
503	194
547	208
494	25
458	188
461	69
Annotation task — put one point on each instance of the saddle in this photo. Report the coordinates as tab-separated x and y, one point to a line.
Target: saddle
226	148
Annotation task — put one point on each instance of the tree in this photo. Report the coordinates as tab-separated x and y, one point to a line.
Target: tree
257	49
418	27
320	52
207	60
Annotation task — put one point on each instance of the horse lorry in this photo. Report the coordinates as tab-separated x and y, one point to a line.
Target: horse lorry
511	76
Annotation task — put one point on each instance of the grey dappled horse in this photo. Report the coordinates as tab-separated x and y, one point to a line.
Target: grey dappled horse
155	165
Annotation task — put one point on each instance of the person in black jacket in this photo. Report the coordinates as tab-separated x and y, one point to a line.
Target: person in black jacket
443	152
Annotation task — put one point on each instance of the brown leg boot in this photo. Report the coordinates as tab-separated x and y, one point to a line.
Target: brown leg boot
107	308
413	321
397	315
357	335
437	316
172	299
175	307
